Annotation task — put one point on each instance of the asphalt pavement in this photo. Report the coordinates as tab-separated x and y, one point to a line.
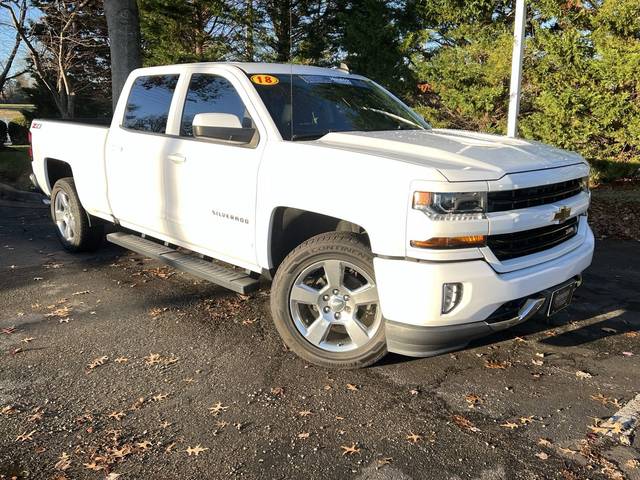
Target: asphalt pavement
112	364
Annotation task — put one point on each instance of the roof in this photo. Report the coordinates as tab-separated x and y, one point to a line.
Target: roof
278	68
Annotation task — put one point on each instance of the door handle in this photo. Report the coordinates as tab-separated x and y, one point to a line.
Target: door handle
177	158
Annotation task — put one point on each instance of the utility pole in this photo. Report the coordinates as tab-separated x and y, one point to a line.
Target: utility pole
516	69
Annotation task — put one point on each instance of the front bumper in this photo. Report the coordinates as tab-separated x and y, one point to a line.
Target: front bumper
411	293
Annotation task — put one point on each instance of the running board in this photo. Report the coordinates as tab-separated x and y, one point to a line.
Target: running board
236	280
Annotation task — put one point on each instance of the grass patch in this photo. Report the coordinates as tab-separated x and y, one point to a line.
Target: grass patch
15	166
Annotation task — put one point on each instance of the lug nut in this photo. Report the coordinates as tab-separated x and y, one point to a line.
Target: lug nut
335	291
346	298
325	297
326	309
337	316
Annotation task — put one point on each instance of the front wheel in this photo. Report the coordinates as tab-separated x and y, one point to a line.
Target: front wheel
325	305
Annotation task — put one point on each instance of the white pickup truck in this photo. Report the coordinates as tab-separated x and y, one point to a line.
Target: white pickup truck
380	233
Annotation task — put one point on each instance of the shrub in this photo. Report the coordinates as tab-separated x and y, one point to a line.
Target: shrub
18	132
3	133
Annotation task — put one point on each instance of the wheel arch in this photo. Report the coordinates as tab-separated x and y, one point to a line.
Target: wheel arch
54	170
289	227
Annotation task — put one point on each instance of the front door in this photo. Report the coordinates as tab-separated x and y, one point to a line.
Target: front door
210	185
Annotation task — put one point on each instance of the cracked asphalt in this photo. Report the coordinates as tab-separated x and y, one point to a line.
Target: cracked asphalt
113	364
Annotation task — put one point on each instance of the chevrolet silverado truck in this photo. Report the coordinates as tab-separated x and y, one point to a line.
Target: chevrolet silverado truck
379	233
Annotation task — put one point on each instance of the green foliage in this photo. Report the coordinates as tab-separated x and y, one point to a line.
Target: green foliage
18	132
581	87
3	133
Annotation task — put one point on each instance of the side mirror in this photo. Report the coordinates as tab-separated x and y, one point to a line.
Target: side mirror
222	126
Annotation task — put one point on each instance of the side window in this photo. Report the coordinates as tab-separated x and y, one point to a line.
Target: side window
211	94
149	101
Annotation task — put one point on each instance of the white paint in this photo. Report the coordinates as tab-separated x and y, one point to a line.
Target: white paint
183	191
516	68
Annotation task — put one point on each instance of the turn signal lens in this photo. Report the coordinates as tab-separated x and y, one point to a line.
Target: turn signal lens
451	242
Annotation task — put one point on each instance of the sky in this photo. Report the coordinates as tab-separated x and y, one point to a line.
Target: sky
7	36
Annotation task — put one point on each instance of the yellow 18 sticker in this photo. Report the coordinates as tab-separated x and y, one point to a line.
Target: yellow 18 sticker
264	79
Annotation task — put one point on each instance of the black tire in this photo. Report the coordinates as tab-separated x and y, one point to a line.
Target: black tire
343	246
86	237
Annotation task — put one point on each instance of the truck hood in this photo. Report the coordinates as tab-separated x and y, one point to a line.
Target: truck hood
457	154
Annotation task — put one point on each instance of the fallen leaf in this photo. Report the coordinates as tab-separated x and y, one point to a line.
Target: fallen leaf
23	437
544	442
627	354
631	334
28	339
632	464
568	451
538	363
464	423
217	408
277	391
526	420
384	461
510	425
112	476
600	399
8	410
413	437
8	330
93	466
473	400
305	413
144	445
63	462
117	415
303	435
98	362
195	450
352	387
121	360
580	374
171	361
169	447
152	359
350	450
414	391
165	424
159	397
36	415
495	365
542	455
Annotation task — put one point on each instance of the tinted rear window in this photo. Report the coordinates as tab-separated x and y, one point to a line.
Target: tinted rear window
149	101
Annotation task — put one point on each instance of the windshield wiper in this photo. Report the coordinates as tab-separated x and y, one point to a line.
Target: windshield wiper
394	116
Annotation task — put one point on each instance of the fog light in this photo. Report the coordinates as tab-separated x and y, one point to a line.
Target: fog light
451	296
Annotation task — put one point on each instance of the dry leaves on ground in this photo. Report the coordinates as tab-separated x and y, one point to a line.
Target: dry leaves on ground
464	423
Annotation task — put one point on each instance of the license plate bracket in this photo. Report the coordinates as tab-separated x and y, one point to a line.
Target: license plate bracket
561	298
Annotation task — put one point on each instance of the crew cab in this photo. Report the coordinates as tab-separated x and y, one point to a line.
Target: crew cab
379	233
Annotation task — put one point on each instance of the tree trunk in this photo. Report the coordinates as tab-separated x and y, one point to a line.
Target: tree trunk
124	42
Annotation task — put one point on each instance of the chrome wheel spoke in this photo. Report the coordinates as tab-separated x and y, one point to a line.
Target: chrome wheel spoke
334	272
325	301
302	293
357	332
365	295
318	330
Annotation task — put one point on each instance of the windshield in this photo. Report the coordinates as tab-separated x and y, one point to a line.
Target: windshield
315	105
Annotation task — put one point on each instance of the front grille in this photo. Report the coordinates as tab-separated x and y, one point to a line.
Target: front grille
533	196
519	244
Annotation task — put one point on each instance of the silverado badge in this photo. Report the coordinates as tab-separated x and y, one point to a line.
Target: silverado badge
562	214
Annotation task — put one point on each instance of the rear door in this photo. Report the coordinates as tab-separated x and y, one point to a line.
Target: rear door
211	184
136	151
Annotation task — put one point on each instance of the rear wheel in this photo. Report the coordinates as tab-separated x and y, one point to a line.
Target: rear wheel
325	302
72	221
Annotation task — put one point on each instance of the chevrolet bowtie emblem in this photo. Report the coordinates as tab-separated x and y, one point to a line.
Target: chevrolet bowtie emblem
562	214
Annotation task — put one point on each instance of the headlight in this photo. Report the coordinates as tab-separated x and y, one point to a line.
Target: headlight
451	206
584	183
